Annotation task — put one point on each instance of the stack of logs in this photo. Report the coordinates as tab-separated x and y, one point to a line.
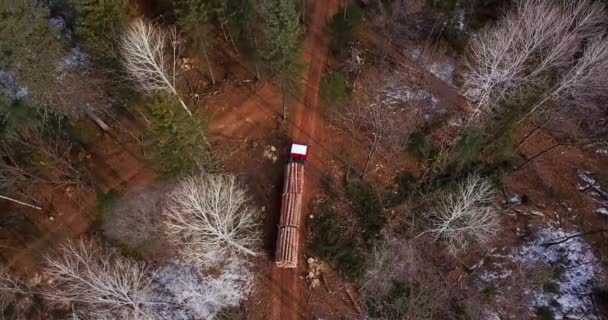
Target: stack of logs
291	214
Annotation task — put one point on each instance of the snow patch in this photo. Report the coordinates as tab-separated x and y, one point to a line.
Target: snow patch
459	19
588	184
396	95
57	24
183	292
602	152
601	211
580	266
579	270
10	88
440	66
443	71
74	59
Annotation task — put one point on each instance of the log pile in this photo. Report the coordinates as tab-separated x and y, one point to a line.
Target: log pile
288	239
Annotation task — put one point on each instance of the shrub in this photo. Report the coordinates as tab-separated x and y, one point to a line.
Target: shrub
132	220
421	145
468	147
175	141
16	115
97	26
105	201
545	313
330	241
342	27
367	206
400	284
334	93
407	186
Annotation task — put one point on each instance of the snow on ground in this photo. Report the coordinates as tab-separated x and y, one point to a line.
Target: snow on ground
396	94
74	59
9	87
182	292
442	70
579	272
588	184
440	66
580	268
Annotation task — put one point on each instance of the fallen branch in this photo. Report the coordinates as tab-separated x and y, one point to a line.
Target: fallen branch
20	202
353	300
562	240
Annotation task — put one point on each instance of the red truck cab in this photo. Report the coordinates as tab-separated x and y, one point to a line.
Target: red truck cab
298	153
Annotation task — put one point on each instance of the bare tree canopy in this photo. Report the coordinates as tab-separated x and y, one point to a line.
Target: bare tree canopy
144	49
466	216
15	297
585	80
401	284
97	280
210	218
517	55
133	220
385	125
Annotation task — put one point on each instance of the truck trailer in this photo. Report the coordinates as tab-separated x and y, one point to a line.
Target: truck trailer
288	239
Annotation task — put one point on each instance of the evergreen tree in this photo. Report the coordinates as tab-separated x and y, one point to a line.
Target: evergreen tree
283	45
98	25
174	140
16	115
194	18
29	53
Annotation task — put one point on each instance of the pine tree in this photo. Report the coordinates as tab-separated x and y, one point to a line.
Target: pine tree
174	140
284	32
98	25
29	53
194	17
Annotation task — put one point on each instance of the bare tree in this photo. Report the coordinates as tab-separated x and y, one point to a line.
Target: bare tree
15	297
210	218
585	80
401	284
34	157
381	122
466	216
144	49
515	56
392	260
133	220
97	280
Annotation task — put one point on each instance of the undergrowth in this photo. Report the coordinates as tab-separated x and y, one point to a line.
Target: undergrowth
332	241
421	146
174	142
343	26
367	206
334	92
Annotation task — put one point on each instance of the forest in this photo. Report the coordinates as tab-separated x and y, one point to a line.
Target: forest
457	166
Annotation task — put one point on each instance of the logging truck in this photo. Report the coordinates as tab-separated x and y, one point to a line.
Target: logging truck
286	255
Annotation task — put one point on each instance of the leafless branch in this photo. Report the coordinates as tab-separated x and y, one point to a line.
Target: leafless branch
466	216
210	218
515	56
144	52
98	280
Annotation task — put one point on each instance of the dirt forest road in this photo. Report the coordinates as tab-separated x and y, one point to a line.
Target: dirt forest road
289	302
